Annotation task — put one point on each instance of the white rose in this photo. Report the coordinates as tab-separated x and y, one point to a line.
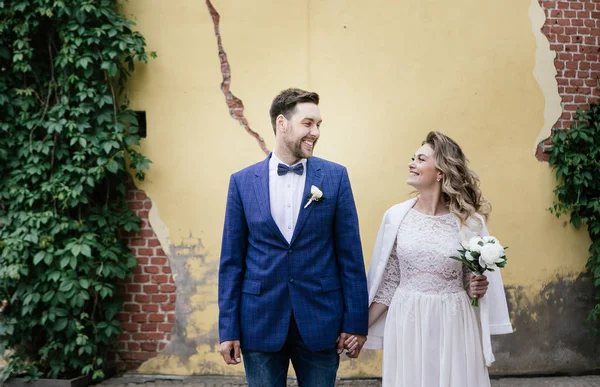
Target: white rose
316	193
465	245
474	243
491	254
490	238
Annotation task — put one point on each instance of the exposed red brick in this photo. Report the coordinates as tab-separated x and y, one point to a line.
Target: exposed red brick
137	242
140	336
153	242
157	318
130	327
139	317
167	307
167	288
150	308
573	30
136	270
133	346
124	337
161	279
145	252
152	269
149	346
134	288
150	288
160	298
132	307
149	327
142	298
141	278
156	336
146	233
136	205
140	195
165	327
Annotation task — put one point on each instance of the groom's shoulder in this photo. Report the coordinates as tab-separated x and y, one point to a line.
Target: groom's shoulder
249	170
327	164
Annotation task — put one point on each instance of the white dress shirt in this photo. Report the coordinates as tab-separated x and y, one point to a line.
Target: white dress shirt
285	196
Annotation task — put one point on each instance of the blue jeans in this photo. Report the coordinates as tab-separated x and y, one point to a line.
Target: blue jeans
313	369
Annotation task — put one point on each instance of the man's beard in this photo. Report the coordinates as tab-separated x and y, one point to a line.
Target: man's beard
295	148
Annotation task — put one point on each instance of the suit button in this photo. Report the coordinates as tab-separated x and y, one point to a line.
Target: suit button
290	251
291	279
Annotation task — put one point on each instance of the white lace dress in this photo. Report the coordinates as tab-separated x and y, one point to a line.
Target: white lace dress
432	333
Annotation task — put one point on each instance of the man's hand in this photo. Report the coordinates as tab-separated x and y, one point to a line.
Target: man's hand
230	350
352	343
478	285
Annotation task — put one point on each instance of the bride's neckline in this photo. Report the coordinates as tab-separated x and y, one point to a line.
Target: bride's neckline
430	216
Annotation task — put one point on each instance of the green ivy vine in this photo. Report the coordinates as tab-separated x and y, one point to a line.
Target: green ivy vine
66	143
575	159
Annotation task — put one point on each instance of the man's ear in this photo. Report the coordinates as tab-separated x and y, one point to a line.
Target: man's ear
281	123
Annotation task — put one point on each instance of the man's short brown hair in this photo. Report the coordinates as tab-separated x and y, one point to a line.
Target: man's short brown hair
286	101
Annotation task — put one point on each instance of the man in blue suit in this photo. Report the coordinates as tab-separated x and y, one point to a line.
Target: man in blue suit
292	282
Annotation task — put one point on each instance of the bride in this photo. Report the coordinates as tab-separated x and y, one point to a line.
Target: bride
420	298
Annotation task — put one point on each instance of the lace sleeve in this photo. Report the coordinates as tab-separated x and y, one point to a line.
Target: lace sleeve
390	280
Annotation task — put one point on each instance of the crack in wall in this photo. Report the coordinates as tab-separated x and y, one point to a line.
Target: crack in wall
236	106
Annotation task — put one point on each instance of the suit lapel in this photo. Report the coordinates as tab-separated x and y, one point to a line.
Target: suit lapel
261	189
314	176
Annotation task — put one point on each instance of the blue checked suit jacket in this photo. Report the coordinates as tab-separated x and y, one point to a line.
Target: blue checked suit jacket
319	275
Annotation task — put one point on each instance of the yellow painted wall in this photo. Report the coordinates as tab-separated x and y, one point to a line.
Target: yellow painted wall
387	72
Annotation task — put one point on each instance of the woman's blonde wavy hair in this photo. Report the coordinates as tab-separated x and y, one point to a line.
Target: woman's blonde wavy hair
460	185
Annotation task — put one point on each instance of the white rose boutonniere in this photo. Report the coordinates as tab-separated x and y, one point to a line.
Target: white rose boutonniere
315	195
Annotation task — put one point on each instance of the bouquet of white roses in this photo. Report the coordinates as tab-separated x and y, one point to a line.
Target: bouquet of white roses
480	254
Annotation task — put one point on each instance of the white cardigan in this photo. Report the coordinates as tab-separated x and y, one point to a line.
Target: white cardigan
493	309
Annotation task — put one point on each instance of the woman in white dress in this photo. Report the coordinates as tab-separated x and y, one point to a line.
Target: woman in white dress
419	297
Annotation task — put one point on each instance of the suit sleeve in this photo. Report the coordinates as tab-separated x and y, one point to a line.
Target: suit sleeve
232	264
350	261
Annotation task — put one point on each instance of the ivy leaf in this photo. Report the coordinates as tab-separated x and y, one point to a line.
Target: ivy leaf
39	257
76	249
60	324
112	166
86	251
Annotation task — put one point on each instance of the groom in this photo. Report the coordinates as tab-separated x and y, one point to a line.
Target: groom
292	282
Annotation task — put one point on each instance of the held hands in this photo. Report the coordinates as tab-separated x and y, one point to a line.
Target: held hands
230	350
478	286
351	343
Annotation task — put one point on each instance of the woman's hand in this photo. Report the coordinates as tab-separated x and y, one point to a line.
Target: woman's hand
478	285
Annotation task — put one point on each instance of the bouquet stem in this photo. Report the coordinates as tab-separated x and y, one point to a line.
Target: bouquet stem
475	301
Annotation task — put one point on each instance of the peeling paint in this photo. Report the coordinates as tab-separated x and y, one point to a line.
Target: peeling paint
158	226
194	347
544	73
236	106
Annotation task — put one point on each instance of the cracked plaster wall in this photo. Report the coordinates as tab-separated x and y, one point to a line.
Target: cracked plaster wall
387	74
